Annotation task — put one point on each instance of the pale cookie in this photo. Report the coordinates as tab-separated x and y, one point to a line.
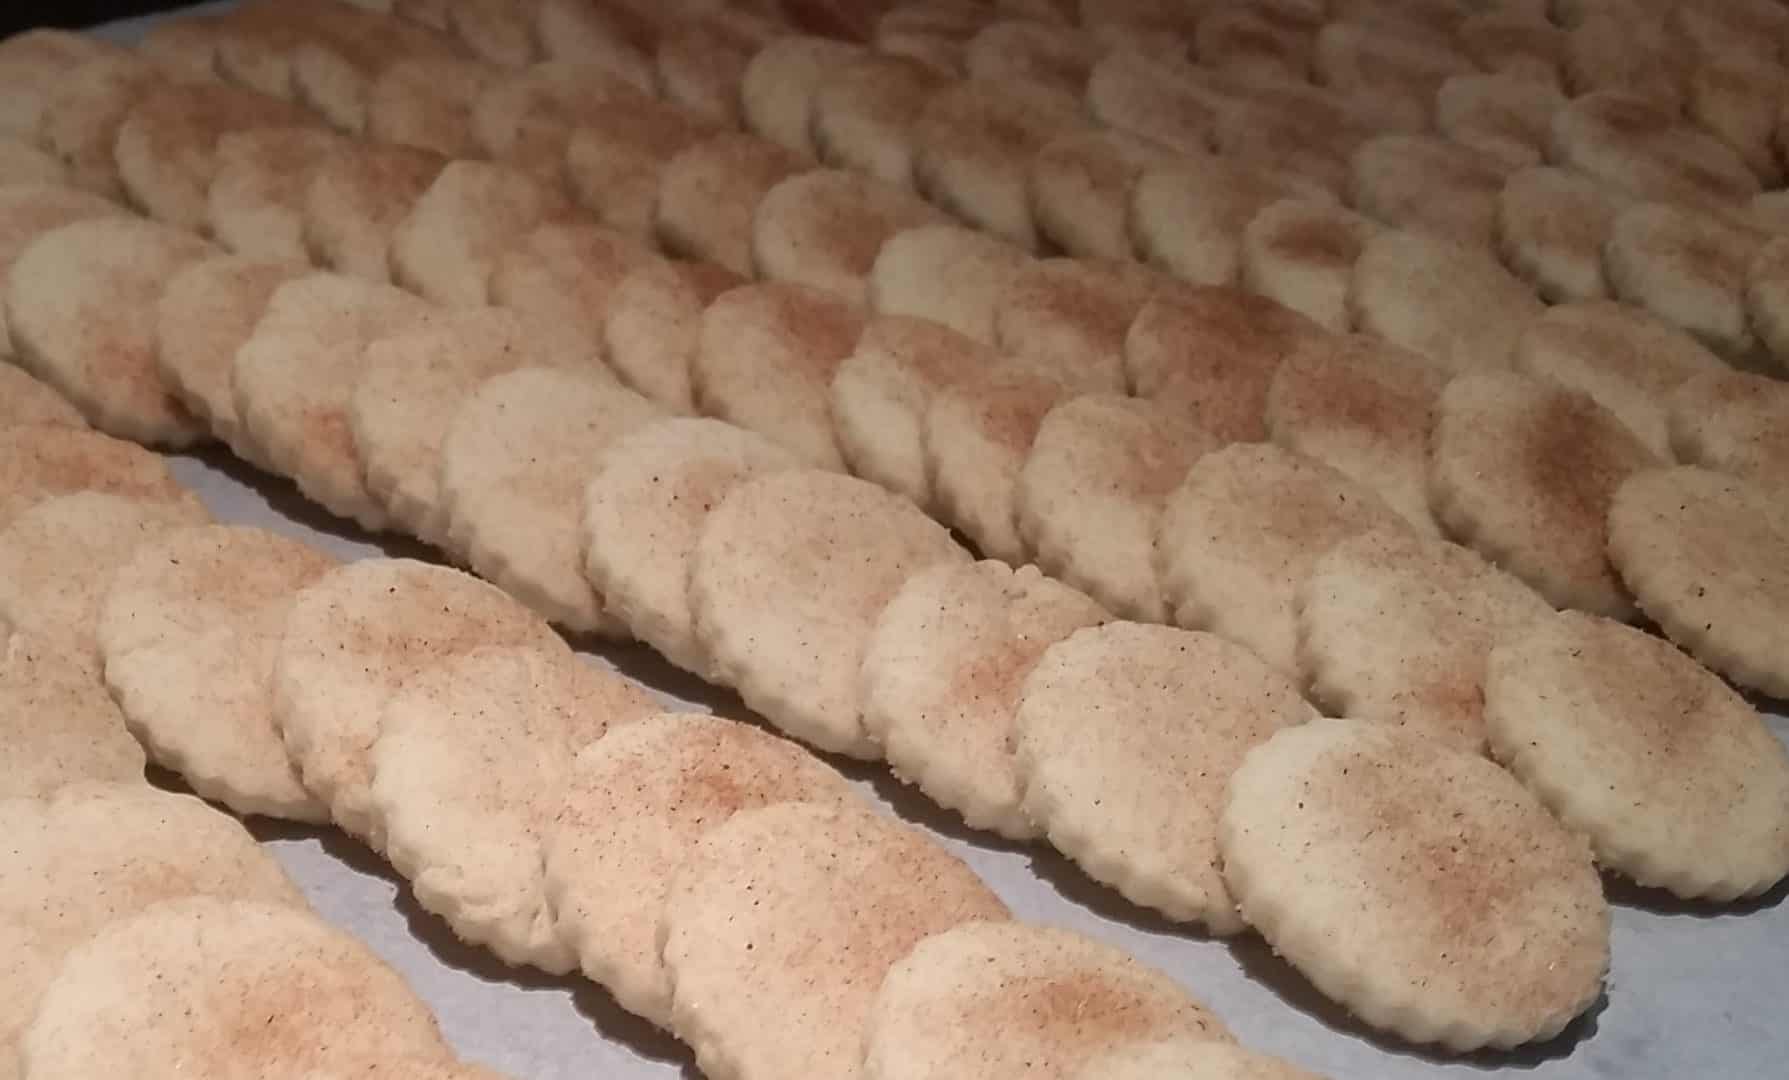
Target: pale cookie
1256	39
1301	253
977	435
698	66
766	361
1018	979
524	118
1613	51
412	384
188	633
356	201
1514	42
59	556
1732	422
94	853
1154	101
974	143
1626	360
214	986
945	273
27	211
1394	627
27	400
598	35
43	461
824	228
1188	218
499	32
334	70
636	803
447	245
1551	227
1243	533
294	376
1735	99
864	111
1080	189
81	306
1212	352
882	391
1429	183
1136	805
1397	72
782	923
255	204
59	725
1053	56
514	463
1187	1057
790	572
32	64
648	496
1524	470
1689	269
351	639
1504	117
1091	491
942	677
1069	318
167	144
1675	780
469	770
187	47
426	104
1454	304
1502	942
80	123
559	279
207	312
1702	553
709	193
1364	408
1306	143
1767	298
654	327
932	32
617	155
1638	147
255	50
776	96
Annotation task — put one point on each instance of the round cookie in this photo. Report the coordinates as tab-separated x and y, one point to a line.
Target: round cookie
1395	628
709	192
524	118
698	66
354	636
654	327
1390	70
559	279
636	804
1301	253
1689	269
617	156
188	633
1080	189
776	96
40	462
1503	115
31	63
333	72
1701	552
1028	51
824	228
1188	218
1428	183
445	248
1617	50
1503	942
1732	422
1524	471
790	573
596	35
80	123
942	677
254	204
357	199
1263	40
1069	317
864	111
829	898
1551	227
1643	149
59	725
1242	534
1454	304
945	273
27	211
1152	101
1735	98
26	401
1091	492
426	103
469	771
1007	976
644	509
1137	806
1674	779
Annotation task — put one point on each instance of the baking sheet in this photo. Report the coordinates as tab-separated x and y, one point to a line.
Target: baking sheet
1694	992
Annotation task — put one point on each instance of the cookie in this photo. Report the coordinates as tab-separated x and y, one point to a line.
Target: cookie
1687	268
26	400
81	303
1675	780
1454	304
1640	147
1138	808
80	123
942	678
334	69
616	157
426	104
187	46
39	462
32	64
648	496
596	35
824	228
187	633
1256	39
356	201
1188	218
1069	317
1395	628
1733	98
1396	70
709	192
60	726
1612	51
1080	189
559	278
1244	532
776	95
294	377
514	463
524	118
1514	43
473	755
1551	227
1364	408
945	273
1300	253
1732	422
654	327
1505	116
933	33
1626	360
829	898
1153	101
447	245
765	362
864	111
496	31
1699	551
636	804
1091	492
790	572
698	66
1429	183
351	639
255	203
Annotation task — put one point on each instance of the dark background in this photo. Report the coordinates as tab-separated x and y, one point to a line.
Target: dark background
17	15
